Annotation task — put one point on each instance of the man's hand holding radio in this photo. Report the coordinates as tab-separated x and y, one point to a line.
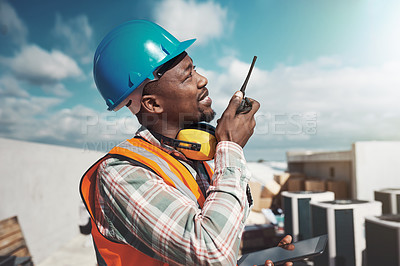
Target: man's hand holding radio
237	127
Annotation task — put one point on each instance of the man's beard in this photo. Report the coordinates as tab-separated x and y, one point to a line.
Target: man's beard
207	117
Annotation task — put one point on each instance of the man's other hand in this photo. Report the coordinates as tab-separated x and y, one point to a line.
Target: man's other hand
284	243
237	127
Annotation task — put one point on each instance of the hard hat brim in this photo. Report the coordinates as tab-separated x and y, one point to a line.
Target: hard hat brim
181	48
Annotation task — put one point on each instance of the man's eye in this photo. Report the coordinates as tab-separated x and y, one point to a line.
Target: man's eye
190	74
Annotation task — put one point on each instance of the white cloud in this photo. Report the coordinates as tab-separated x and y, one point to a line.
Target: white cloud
75	35
41	67
188	19
21	112
34	119
349	103
57	89
81	124
11	25
9	87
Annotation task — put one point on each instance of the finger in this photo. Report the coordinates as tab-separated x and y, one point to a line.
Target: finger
288	264
288	247
234	103
269	263
254	106
286	240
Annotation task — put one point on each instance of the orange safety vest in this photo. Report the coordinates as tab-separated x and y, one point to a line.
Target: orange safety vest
170	169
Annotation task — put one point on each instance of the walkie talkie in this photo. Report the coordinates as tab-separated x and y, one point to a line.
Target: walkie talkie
245	105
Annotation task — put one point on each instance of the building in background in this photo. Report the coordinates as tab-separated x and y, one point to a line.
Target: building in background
368	166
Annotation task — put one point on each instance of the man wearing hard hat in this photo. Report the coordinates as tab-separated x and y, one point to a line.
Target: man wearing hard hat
153	199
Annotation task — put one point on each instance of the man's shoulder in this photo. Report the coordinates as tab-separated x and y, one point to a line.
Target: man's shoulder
120	166
112	163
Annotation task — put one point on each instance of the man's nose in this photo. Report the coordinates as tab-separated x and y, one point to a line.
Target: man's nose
202	81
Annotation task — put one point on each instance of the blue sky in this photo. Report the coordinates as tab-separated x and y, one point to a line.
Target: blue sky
327	72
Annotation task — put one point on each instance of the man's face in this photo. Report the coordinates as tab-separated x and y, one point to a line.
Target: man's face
184	96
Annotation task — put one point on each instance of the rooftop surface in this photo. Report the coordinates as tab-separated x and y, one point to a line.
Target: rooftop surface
79	251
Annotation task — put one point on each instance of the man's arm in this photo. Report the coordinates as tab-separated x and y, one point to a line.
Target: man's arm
169	223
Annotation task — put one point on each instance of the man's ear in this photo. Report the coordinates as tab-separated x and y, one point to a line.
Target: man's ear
151	104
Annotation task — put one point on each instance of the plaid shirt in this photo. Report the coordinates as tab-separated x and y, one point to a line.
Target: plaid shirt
138	208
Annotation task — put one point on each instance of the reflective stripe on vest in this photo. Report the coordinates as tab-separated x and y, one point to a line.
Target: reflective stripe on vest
161	162
167	167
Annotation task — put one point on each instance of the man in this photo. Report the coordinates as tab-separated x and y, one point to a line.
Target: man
150	204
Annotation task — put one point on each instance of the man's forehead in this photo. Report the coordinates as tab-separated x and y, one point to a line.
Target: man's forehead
171	65
186	61
184	65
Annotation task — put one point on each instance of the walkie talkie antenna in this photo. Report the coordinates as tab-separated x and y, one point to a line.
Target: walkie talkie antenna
243	88
246	105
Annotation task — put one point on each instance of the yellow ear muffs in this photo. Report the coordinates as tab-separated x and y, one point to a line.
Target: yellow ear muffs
196	142
201	133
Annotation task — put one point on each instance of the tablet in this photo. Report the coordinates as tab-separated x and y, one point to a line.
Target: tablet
279	255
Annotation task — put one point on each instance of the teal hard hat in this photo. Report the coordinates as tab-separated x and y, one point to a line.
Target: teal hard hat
128	56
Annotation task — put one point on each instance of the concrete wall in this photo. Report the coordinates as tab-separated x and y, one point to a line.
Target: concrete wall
39	184
376	166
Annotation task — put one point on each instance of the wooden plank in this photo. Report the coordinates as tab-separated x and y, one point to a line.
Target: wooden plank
8	226
10	239
10	231
22	252
8	221
7	250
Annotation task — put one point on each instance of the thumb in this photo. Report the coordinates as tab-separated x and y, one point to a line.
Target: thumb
234	103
